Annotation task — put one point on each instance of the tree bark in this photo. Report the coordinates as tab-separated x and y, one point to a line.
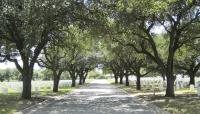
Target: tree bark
73	82
55	84
80	80
127	80
56	80
170	86
81	76
121	80
192	78
138	83
192	72
84	80
85	76
116	79
169	69
27	77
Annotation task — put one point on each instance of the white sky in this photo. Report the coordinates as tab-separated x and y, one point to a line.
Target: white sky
7	65
12	65
158	30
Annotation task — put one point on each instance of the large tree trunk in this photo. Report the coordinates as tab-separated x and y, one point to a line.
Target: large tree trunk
81	77
138	85
56	80
55	84
27	77
85	76
84	80
192	78
169	70
121	80
116	79
192	72
127	80
170	86
73	82
80	80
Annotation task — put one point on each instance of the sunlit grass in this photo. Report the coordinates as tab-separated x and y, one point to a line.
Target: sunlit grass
49	92
12	102
181	104
185	102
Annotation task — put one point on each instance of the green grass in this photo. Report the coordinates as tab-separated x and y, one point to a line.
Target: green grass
11	103
185	102
132	89
181	104
8	102
110	80
49	92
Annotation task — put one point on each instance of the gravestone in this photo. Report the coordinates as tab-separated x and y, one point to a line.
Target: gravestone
4	91
198	89
192	87
45	88
51	87
134	83
181	84
37	91
161	85
19	89
178	85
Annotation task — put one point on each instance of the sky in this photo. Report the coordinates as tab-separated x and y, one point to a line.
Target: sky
158	30
12	65
7	65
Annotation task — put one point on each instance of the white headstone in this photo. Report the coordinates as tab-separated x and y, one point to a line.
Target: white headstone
5	91
45	88
20	89
198	90
161	85
37	90
181	84
177	85
51	87
192	87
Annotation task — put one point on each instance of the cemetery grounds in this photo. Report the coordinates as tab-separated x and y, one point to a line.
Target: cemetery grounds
10	92
187	100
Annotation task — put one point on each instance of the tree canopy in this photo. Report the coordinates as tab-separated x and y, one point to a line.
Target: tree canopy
76	35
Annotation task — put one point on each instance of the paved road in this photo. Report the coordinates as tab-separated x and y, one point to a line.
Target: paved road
99	97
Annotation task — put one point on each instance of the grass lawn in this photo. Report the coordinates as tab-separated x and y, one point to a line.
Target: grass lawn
181	104
185	102
11	103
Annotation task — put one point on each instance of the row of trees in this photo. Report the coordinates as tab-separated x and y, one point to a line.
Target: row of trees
123	62
71	54
58	30
12	74
31	29
175	50
9	74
